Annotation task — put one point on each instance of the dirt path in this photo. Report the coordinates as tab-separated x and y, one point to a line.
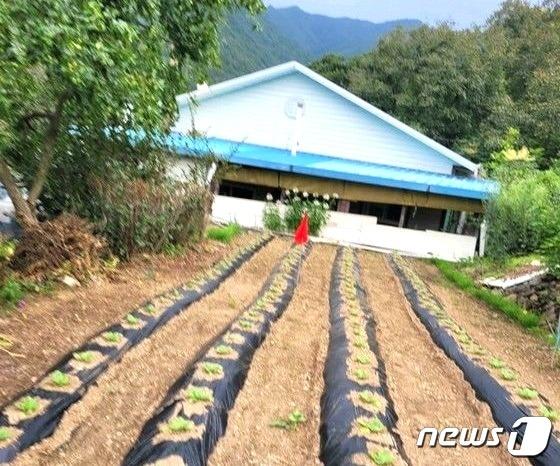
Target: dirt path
521	351
286	374
427	388
51	326
102	427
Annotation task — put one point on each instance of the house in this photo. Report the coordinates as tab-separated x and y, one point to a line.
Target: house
287	126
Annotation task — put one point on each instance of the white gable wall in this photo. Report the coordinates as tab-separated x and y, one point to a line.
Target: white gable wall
331	126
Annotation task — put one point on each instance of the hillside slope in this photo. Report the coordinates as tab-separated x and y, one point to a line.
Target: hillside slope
284	34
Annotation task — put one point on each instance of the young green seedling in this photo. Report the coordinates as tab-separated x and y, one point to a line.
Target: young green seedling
112	337
150	309
369	398
223	350
84	356
60	379
179	424
245	324
362	359
5	434
212	368
372	425
550	413
382	457
28	405
131	320
292	422
497	363
527	393
508	374
199	394
361	374
360	343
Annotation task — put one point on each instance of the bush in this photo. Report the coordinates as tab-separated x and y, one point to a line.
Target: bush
11	292
521	218
224	234
316	206
140	216
272	217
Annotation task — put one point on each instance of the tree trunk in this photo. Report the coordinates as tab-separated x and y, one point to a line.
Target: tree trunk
25	215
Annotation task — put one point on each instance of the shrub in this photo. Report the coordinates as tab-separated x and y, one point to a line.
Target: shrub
272	217
224	234
296	204
11	292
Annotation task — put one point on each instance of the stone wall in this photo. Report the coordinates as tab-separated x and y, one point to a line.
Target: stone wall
541	294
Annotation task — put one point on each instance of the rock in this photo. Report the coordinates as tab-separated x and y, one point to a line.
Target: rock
70	281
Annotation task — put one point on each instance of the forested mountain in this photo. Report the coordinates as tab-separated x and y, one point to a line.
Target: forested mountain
279	35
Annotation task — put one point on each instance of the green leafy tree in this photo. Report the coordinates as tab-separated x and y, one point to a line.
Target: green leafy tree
73	69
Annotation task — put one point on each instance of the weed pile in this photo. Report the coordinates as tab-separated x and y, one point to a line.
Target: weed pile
65	244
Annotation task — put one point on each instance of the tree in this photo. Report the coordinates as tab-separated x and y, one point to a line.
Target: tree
74	67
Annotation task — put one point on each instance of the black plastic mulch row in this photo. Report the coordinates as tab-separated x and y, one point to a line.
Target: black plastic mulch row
338	413
504	410
34	429
150	448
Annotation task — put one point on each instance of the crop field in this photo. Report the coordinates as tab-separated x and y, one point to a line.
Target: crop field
276	354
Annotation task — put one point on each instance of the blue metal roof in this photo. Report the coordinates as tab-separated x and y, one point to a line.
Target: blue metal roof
251	155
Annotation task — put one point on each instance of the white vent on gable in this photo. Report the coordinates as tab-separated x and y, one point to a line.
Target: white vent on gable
295	110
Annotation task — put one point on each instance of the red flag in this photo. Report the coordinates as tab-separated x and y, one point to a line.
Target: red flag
301	235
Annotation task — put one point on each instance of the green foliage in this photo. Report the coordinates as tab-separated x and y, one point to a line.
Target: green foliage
223	350
372	425
272	217
382	457
132	320
94	66
112	337
4	434
179	424
7	249
60	379
465	88
497	363
361	374
28	405
369	398
508	374
84	356
292	422
522	218
549	413
527	393
199	394
496	301
224	234
212	368
362	359
11	292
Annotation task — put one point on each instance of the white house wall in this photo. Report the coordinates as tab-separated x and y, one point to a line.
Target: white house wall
331	126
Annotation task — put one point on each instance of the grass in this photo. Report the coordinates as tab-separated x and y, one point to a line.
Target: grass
508	374
224	234
496	301
497	363
483	267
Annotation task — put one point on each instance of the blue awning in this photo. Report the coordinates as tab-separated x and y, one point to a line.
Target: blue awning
251	155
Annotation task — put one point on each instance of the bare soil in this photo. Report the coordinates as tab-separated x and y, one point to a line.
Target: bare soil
526	353
51	326
427	388
103	426
286	374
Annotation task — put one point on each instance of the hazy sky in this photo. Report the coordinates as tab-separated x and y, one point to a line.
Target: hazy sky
462	12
